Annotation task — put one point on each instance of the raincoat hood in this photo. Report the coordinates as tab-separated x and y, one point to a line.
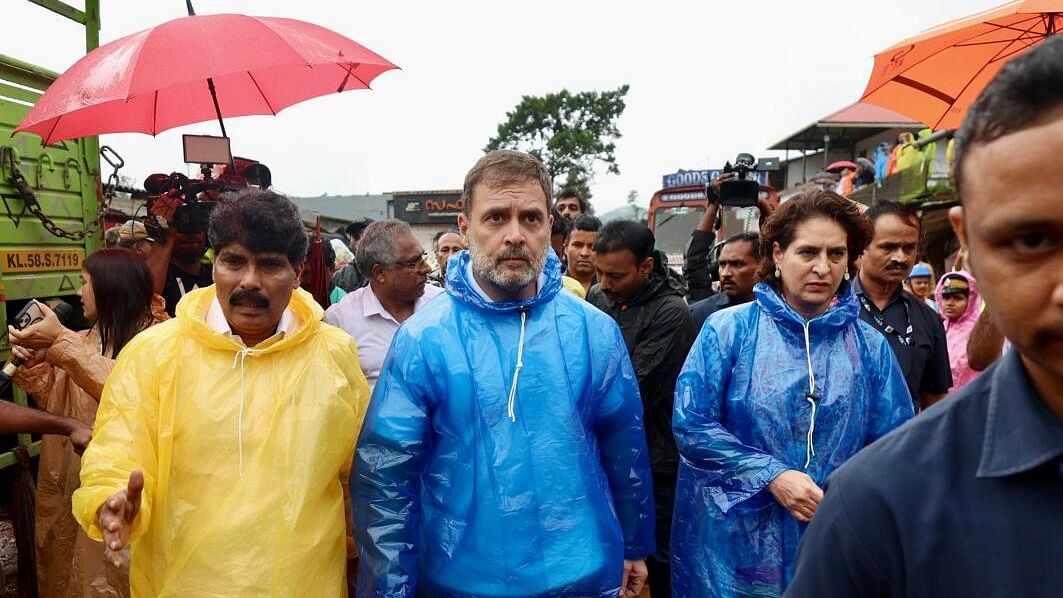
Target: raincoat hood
461	286
959	332
191	314
974	300
844	311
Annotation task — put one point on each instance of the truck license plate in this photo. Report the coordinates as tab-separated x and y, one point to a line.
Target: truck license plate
17	261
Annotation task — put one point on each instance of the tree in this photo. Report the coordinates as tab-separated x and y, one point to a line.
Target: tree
637	211
570	133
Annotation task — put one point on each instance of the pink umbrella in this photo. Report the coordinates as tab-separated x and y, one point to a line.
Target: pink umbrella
841	165
198	68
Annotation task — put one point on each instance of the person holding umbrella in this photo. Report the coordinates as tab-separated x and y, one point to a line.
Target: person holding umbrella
775	394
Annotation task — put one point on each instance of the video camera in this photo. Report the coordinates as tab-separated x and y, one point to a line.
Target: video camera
741	191
195	198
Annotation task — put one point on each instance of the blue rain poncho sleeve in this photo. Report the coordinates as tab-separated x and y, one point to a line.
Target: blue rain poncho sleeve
894	406
622	443
390	460
734	471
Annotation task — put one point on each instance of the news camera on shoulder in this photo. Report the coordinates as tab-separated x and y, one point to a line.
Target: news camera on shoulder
177	201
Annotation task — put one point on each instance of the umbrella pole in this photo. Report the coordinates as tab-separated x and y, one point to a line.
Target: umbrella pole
191	11
217	109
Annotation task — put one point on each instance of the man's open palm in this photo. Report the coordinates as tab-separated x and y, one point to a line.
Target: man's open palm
117	516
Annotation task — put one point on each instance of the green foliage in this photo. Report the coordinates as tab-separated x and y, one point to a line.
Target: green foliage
570	133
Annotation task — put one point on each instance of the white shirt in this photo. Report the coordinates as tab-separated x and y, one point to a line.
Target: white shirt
362	316
215	319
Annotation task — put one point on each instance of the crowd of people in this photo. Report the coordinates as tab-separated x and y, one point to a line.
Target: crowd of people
553	411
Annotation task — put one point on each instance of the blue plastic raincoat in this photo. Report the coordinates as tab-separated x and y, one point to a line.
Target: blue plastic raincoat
742	417
481	477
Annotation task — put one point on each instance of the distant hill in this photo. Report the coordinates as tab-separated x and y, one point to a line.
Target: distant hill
338	211
626	212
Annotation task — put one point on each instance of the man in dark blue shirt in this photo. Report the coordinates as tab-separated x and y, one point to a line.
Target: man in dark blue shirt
967	499
914	330
738	275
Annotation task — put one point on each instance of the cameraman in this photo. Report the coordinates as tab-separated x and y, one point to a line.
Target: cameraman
186	270
703	239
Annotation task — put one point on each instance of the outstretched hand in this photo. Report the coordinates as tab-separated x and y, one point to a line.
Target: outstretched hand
117	515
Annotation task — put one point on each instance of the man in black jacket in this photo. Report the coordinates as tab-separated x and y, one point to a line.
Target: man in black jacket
658	331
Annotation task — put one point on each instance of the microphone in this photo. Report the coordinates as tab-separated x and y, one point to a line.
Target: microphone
28	316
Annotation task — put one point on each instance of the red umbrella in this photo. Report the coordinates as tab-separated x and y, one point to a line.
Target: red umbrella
197	68
841	165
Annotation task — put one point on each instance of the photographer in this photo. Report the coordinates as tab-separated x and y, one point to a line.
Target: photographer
65	371
696	266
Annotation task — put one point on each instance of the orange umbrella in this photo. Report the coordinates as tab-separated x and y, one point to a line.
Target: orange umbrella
936	76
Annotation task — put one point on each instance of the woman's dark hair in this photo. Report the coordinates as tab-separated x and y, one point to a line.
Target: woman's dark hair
262	221
122	287
783	222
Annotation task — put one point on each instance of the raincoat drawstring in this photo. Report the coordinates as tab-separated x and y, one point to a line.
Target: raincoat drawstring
810	450
241	357
516	370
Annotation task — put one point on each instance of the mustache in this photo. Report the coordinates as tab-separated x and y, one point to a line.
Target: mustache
512	253
897	266
253	298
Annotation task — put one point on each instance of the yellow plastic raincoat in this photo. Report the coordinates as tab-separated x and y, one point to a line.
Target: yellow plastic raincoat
243	451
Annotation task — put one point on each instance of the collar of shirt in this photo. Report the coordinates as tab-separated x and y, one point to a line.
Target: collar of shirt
1020	431
898	295
479	290
371	306
216	321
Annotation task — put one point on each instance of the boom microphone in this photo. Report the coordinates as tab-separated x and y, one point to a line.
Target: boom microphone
28	316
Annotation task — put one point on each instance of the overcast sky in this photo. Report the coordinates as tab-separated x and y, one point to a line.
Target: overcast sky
708	80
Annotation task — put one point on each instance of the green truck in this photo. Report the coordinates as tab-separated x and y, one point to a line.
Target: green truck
50	200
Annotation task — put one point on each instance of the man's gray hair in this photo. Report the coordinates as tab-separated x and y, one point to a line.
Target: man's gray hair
377	244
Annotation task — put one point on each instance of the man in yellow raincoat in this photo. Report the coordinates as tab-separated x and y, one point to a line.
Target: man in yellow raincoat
223	435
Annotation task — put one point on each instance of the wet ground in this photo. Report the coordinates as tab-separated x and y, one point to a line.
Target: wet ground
8	561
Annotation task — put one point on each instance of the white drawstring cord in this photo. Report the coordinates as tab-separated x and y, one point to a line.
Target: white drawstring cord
516	370
810	450
241	357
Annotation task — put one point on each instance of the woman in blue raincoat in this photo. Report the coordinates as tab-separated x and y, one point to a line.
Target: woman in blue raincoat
775	395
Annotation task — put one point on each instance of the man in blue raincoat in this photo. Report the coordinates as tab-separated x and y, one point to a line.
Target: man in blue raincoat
503	453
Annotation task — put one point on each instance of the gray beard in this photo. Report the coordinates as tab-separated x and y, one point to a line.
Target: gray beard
486	267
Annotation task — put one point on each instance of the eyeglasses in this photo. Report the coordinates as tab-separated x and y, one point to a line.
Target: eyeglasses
411	264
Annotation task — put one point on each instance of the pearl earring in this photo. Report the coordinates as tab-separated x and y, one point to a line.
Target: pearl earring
846	277
778	274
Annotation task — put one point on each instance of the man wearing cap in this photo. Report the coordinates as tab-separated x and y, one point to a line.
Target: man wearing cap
133	235
920	280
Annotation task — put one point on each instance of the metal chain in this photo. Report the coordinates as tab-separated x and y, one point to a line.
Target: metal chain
29	198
